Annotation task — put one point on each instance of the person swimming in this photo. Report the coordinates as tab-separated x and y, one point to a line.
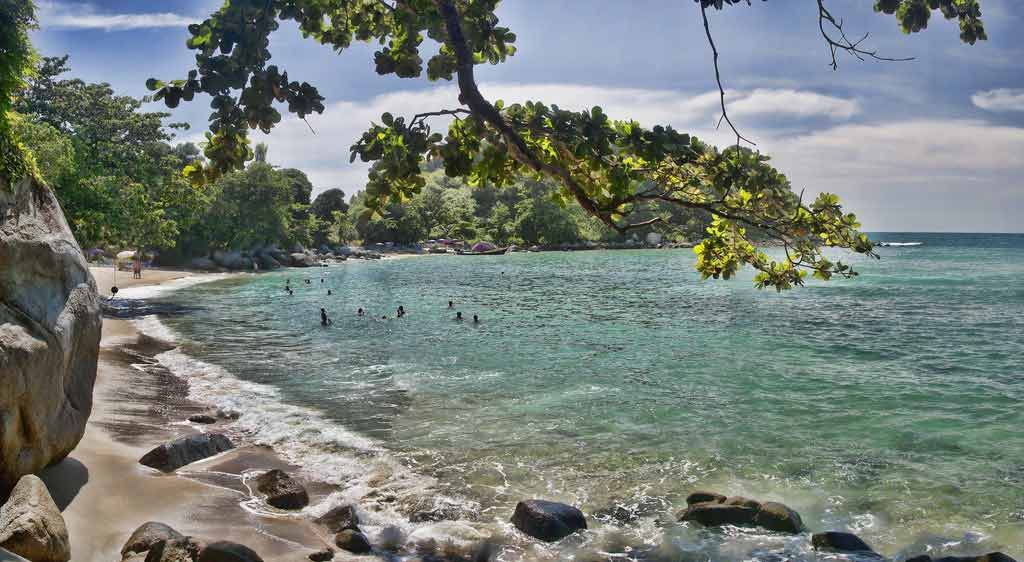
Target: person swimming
290	292
476	319
360	312
321	279
458	316
324	320
451	304
401	311
329	292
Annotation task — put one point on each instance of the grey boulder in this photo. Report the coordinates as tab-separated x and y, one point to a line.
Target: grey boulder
49	333
186	450
31	525
546	520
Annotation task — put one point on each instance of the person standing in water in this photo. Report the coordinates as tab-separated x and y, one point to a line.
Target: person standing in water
458	316
451	304
401	311
324	320
476	319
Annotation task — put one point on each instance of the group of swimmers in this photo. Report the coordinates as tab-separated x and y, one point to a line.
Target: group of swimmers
399	313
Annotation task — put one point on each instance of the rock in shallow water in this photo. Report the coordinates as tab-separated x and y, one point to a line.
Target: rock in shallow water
322	555
840	541
49	333
339	518
737	510
546	520
202	418
282	491
227	551
31	525
185	549
704	497
146	536
353	541
186	450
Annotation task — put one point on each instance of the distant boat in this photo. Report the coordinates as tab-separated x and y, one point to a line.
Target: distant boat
899	243
494	252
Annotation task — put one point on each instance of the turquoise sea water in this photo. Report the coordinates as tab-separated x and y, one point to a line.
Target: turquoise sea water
889	404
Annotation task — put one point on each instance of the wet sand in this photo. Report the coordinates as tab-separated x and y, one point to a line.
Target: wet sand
104	492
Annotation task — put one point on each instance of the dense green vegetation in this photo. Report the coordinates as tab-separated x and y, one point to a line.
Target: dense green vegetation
617	171
119	177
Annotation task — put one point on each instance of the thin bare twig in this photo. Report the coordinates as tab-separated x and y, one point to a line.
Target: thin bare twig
843	42
718	78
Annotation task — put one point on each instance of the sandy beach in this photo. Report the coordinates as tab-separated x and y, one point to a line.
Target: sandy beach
105	494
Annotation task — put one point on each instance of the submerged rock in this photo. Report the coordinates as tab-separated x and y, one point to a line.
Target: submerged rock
704	497
31	525
148	534
282	491
353	541
839	541
716	514
227	551
990	557
49	333
202	418
546	520
322	555
186	450
339	518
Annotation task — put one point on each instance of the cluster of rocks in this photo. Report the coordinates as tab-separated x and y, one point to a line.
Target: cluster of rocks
271	257
157	542
712	510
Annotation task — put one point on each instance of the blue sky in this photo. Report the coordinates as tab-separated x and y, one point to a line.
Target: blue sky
935	144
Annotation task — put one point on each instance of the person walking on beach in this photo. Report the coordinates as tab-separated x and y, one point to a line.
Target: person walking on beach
324	320
137	266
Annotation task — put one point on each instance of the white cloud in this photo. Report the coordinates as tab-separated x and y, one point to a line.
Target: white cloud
1001	99
55	15
325	155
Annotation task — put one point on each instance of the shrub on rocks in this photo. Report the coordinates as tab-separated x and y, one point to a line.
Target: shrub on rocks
282	491
186	450
546	520
31	525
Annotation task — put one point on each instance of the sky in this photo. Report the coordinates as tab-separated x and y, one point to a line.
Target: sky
935	144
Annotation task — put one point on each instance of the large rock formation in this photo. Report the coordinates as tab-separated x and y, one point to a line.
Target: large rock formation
49	333
31	525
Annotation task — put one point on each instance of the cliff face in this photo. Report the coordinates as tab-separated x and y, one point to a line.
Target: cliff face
49	333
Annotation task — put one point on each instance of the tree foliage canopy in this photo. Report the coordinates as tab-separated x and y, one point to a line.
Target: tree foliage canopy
612	169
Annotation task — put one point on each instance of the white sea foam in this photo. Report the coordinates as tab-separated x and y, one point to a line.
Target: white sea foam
383	488
900	243
150	291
